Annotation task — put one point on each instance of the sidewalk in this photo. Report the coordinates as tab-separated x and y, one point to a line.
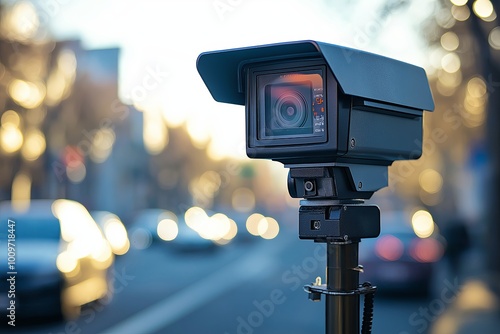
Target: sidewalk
476	308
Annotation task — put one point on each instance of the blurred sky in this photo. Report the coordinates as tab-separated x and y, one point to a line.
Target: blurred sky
165	38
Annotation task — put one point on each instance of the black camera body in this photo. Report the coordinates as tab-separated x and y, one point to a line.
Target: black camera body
337	117
310	103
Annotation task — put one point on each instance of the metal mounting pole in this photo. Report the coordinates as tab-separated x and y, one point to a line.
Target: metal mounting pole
342	275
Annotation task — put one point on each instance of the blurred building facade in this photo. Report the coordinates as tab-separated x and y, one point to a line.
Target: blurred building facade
65	133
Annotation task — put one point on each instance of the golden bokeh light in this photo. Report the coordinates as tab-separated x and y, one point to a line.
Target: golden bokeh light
450	62
215	153
78	228
155	132
474	112
21	188
490	18
204	189
210	181
232	232
476	87
475	120
21	22
102	144
167	229
450	41
11	117
252	223
458	2
431	181
86	291
66	62
494	38
435	56
34	144
445	19
474	105
60	80
27	94
195	217
101	254
67	264
483	8
11	138
76	171
55	88
460	13
116	234
476	295
422	223
218	226
268	228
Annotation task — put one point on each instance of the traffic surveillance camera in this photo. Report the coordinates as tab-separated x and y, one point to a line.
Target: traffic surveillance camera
310	104
337	117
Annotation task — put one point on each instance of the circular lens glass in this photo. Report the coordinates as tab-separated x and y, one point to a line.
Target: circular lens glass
290	110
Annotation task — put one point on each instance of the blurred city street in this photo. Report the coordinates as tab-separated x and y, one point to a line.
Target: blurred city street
231	290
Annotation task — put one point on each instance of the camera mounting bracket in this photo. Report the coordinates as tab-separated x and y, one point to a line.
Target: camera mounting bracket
346	222
333	212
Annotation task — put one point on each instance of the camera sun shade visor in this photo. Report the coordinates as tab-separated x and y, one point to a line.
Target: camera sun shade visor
358	73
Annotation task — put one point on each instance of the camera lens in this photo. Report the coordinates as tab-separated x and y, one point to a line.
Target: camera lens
290	110
286	107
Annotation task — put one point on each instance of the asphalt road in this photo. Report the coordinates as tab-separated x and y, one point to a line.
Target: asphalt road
247	288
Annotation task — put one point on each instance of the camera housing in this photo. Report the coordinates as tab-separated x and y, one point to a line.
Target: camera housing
337	117
309	102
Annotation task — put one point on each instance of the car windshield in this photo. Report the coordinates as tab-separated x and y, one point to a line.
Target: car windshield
33	228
